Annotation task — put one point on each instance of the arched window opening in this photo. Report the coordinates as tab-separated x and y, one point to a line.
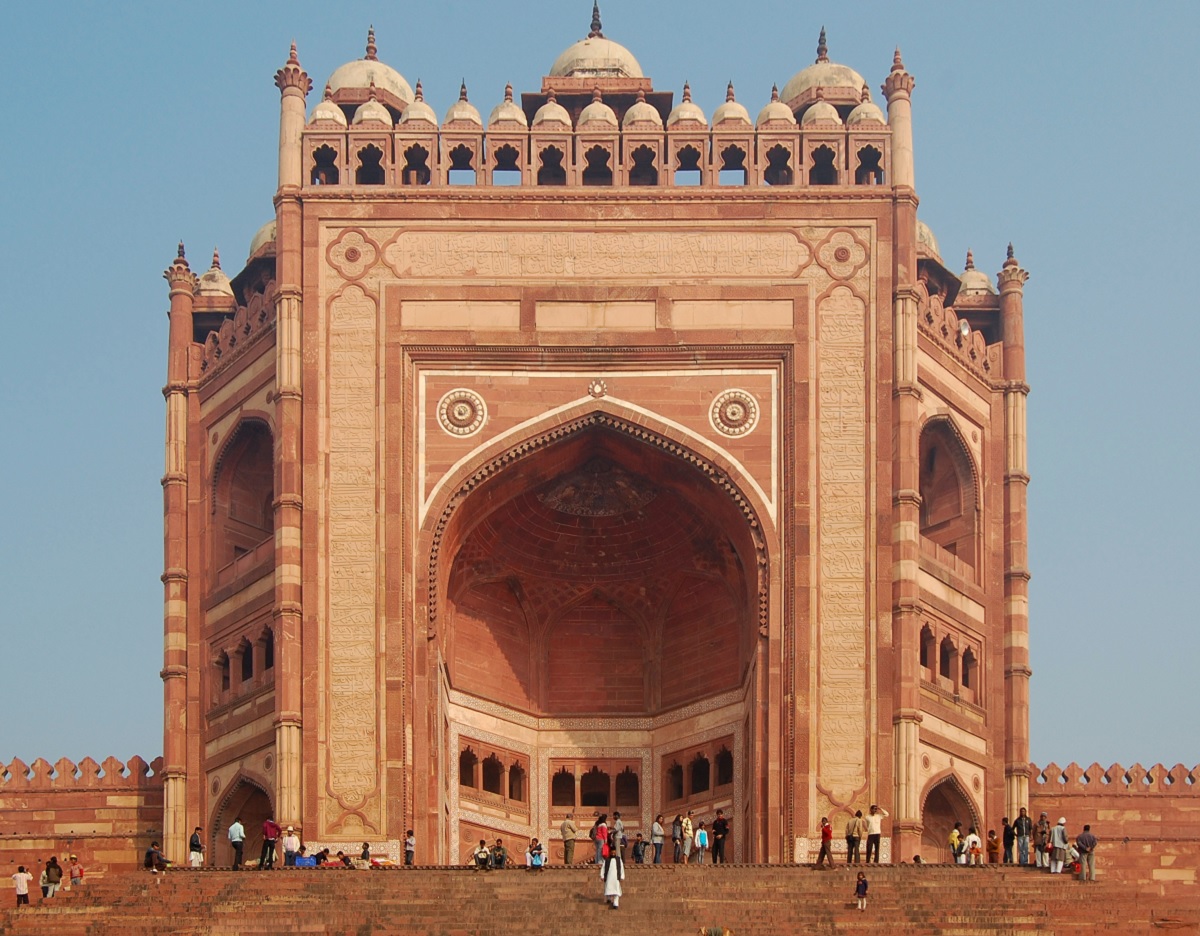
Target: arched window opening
467	760
674	783
644	171
244	493
687	166
628	788
779	166
928	648
823	171
223	671
493	775
699	771
562	788
370	166
733	167
325	170
599	169
969	669
593	788
462	172
268	642
947	658
507	168
516	783
947	493
723	763
246	653
416	166
551	171
870	167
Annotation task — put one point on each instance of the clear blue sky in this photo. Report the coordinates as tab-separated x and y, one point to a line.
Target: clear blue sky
1064	128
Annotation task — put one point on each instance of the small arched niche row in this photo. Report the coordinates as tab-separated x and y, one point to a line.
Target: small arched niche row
949	514
244	494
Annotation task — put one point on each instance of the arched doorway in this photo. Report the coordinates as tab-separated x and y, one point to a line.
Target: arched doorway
945	804
249	802
599	626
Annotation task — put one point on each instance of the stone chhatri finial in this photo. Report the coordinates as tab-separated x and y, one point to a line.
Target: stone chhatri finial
292	76
508	93
552	98
371	92
897	61
822	48
596	31
1011	261
641	98
774	93
462	90
729	92
328	91
293	58
865	97
687	92
970	261
179	254
596	96
419	93
216	259
371	50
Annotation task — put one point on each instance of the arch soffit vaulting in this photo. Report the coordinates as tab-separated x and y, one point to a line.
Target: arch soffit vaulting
243	778
247	420
962	453
491	459
951	778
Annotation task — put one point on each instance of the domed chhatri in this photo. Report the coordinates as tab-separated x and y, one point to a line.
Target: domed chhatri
731	112
350	83
642	116
507	113
596	56
263	238
597	112
926	242
686	112
418	111
840	84
214	282
462	113
975	282
821	112
776	113
371	112
552	113
866	112
327	112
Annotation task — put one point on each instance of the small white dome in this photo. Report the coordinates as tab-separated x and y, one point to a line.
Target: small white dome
327	112
596	56
372	112
506	112
552	112
685	111
463	111
866	112
418	110
731	111
821	112
362	73
926	239
214	282
597	112
775	111
822	74
263	236
974	282
642	114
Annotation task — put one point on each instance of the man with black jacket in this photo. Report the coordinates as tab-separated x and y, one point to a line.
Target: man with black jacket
1023	828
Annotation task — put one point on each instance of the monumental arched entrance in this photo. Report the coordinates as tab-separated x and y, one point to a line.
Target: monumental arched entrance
596	601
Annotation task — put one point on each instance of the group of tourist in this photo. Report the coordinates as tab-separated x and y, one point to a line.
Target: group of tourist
1049	845
691	839
295	853
50	879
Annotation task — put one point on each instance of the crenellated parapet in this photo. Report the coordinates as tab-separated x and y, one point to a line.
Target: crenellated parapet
1053	780
239	332
942	323
65	774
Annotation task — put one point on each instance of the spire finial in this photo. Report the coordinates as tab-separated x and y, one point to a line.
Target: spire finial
462	90
179	254
641	96
371	93
293	59
596	95
897	62
687	91
1011	261
774	93
328	91
822	48
419	92
551	98
970	260
596	30
729	91
371	50
865	97
508	93
216	259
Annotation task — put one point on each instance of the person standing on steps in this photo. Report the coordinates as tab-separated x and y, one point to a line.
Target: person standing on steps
53	875
21	883
860	891
619	827
677	836
826	844
720	832
1023	829
410	848
237	839
875	817
688	834
291	847
701	845
1086	845
76	871
855	830
612	871
1059	843
992	844
1041	840
196	849
974	847
657	836
270	830
569	832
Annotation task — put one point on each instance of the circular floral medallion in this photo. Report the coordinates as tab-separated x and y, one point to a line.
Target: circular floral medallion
734	413
462	412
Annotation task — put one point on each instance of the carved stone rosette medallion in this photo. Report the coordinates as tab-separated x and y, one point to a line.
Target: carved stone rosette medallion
734	413
462	412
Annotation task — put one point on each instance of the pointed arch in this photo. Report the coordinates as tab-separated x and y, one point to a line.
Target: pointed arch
949	488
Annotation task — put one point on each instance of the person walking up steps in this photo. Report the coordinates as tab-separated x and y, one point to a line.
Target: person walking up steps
860	891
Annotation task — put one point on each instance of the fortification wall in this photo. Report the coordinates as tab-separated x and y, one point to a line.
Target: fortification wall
105	813
1147	819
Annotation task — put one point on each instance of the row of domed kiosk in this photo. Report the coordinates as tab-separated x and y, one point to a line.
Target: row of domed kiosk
596	121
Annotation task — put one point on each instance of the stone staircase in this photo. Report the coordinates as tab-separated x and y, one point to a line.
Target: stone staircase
746	899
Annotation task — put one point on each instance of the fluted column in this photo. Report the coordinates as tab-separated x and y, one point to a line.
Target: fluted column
294	85
183	283
1016	537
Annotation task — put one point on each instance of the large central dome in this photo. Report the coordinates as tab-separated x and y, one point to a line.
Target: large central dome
596	57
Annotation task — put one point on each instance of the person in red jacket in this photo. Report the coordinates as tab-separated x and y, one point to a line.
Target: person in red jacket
271	830
826	844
